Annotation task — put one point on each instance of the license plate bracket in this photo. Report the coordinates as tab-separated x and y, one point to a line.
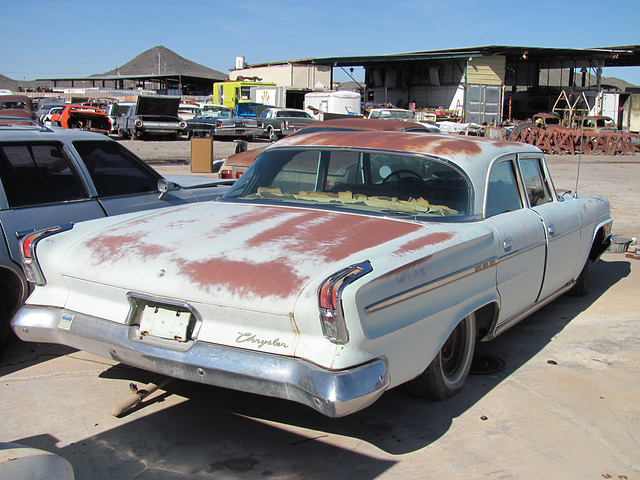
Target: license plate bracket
157	321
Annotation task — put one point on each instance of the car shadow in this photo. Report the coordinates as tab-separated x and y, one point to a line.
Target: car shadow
398	422
228	433
18	354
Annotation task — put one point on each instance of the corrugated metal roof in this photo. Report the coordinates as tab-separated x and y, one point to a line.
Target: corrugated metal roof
612	56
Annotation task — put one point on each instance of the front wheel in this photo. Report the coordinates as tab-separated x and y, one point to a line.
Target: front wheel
123	134
448	372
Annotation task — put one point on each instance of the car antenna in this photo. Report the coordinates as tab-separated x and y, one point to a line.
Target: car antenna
575	193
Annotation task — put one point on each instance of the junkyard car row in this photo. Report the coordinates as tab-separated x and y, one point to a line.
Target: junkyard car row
341	264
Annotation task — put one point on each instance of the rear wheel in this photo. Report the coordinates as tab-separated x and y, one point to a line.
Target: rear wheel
448	372
273	136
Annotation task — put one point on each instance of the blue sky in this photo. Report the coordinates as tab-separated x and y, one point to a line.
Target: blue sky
56	38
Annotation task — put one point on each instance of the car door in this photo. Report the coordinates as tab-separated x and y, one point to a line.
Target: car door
561	224
41	187
521	241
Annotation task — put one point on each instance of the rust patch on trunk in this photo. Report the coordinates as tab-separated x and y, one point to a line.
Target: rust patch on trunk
274	278
332	237
113	247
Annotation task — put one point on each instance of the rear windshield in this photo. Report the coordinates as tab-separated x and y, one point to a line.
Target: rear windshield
379	182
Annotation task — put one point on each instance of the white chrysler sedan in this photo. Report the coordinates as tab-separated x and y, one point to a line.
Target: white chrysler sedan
340	265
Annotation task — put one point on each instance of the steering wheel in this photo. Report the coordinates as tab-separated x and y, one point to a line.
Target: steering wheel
411	182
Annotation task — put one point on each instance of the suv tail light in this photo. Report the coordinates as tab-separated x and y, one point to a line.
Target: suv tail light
28	247
330	300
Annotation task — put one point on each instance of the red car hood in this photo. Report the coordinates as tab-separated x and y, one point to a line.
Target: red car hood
247	256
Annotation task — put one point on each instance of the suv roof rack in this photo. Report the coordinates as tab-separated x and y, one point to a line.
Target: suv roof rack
13	122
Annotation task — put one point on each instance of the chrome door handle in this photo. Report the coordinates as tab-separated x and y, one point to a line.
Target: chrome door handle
507	244
551	229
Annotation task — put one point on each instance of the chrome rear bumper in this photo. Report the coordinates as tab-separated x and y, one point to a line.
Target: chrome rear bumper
333	393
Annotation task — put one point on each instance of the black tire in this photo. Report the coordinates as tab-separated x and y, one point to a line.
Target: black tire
122	133
241	146
449	370
581	288
273	136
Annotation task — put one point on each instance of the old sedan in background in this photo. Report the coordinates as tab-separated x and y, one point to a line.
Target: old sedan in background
340	265
50	177
219	121
17	106
152	116
279	122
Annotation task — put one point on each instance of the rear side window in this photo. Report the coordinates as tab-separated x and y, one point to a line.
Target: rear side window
503	194
38	174
115	170
535	182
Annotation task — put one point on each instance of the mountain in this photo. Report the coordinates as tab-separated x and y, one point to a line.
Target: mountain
553	77
161	60
8	83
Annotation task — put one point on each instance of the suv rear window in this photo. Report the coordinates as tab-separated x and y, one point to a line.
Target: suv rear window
38	174
115	171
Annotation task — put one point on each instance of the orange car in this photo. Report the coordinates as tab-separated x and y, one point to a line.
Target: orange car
83	117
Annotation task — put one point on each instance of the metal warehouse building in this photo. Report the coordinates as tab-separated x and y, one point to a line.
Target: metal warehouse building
484	84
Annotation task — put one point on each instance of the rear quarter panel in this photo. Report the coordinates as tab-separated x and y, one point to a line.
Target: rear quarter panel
406	308
595	213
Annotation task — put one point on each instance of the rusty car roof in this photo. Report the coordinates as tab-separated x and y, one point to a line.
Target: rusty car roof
375	124
457	148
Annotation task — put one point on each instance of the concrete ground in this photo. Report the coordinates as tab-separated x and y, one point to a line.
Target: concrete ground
565	404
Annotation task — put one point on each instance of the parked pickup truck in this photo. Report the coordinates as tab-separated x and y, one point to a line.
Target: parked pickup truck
279	122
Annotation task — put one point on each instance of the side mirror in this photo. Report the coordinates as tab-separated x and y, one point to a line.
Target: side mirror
164	187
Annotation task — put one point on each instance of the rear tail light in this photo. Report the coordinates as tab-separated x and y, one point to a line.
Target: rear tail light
28	249
226	174
330	300
239	174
